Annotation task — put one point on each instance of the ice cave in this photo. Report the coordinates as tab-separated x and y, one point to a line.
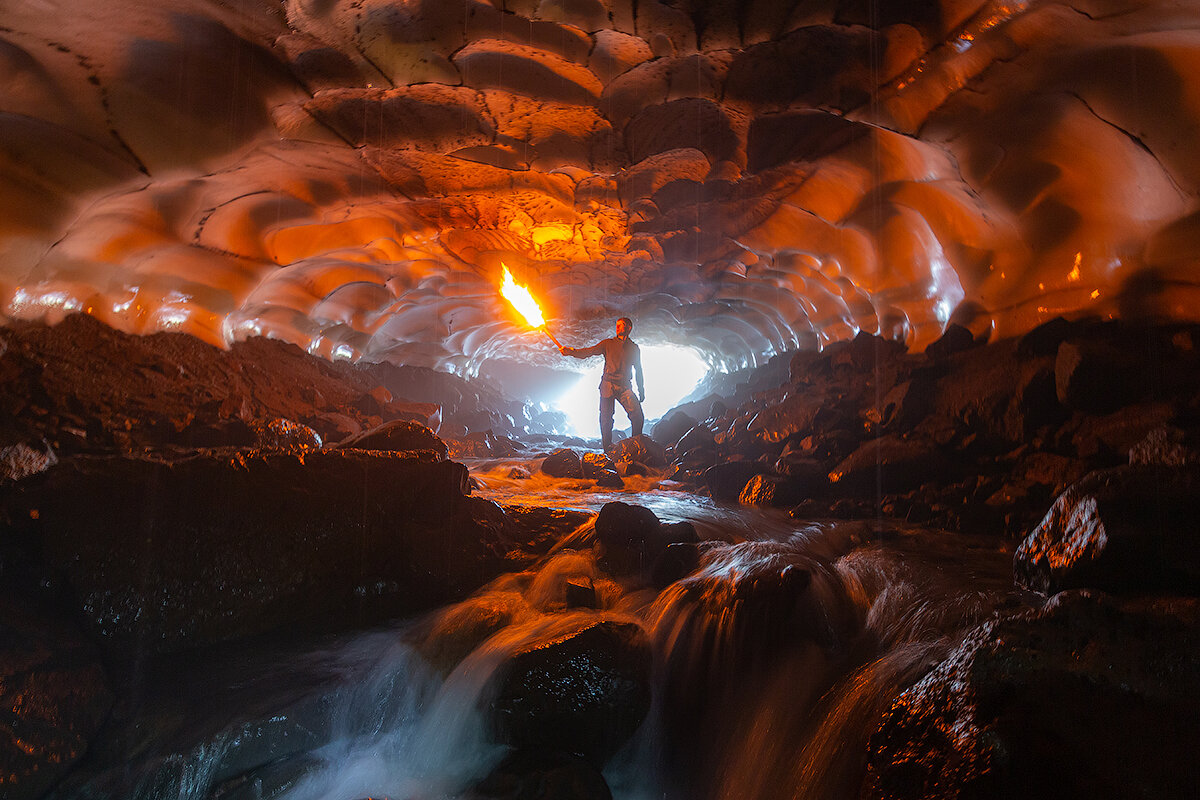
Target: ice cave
296	503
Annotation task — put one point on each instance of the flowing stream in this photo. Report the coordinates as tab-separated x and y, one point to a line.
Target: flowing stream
772	663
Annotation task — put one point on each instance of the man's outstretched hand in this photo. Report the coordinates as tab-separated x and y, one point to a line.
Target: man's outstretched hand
562	350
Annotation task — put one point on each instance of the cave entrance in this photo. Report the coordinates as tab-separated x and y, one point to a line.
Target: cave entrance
671	374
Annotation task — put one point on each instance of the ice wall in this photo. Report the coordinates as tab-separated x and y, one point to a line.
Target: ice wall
742	177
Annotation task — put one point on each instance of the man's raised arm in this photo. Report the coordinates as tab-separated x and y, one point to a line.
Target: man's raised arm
583	352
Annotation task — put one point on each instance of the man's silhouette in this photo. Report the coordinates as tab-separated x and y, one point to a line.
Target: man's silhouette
621	358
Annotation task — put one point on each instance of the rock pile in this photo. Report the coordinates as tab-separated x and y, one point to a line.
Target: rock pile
966	436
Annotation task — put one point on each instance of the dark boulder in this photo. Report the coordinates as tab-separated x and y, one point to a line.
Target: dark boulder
904	405
771	490
609	479
725	481
630	540
797	463
955	339
1035	404
698	458
1045	338
794	415
1096	378
890	464
583	692
161	555
679	560
674	425
627	537
563	463
1127	529
641	449
1086	697
399	435
696	437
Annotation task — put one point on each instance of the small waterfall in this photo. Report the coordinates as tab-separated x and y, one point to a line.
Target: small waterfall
772	664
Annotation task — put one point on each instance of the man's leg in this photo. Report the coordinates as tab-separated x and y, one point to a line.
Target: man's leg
607	407
633	408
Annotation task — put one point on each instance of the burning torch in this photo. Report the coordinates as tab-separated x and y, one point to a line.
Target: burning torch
523	302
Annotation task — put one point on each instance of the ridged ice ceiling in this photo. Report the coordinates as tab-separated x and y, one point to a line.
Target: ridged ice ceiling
743	177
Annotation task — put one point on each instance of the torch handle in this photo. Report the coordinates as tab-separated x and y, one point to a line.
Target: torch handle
551	335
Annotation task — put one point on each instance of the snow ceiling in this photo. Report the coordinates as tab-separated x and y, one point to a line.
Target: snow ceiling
742	177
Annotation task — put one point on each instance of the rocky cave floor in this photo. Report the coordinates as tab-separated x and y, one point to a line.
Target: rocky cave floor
161	498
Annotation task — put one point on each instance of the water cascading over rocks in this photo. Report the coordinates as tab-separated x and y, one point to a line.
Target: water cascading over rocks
881	207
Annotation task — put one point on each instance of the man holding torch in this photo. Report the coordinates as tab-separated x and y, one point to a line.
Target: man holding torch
621	358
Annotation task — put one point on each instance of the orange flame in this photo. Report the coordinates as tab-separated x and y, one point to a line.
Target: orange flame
521	300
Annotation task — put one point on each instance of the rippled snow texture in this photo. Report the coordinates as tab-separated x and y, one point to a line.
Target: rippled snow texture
744	178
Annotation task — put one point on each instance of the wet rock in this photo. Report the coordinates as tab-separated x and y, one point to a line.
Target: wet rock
596	464
696	437
630	540
641	449
609	479
679	560
581	594
628	468
1086	697
796	414
520	473
20	461
284	434
770	490
627	537
696	459
892	463
534	530
674	425
725	481
53	692
167	554
563	463
542	775
584	692
399	435
1127	529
